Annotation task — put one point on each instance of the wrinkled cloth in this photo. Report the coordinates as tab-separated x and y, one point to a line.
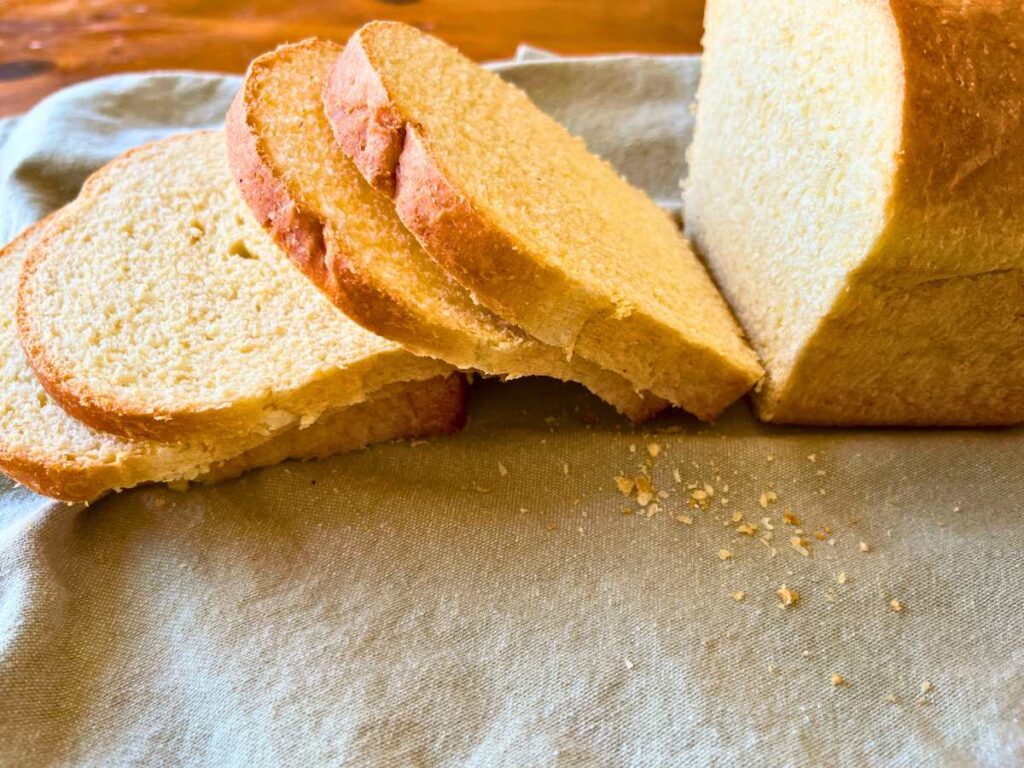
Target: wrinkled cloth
494	598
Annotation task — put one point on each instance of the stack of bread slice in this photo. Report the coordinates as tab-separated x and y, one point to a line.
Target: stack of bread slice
153	332
157	329
446	212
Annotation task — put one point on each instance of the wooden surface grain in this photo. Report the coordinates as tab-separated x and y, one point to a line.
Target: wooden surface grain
46	44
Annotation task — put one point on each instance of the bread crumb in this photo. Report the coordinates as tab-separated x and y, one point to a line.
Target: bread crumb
565	468
841	577
789	518
767	497
767	524
653	449
698	495
643	498
800	545
632	447
724	554
812	457
502	470
686	519
625	485
709	489
746	529
895	605
481	489
676	476
837	681
863	546
739	596
926	686
891	698
643	484
628	663
789	597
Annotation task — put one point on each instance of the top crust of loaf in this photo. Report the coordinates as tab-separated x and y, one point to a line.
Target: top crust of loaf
189	321
346	238
616	283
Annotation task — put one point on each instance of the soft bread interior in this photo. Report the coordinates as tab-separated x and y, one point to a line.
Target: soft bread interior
792	165
52	453
157	307
540	186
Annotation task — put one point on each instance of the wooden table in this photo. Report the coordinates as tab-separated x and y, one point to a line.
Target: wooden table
47	44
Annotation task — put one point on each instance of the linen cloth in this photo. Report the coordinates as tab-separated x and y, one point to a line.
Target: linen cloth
492	598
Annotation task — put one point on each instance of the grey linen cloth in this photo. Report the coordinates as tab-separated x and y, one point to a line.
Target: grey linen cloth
494	598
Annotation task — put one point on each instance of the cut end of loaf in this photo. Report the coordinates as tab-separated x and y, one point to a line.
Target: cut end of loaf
791	167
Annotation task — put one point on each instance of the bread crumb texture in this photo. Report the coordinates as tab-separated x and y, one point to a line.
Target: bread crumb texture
156	306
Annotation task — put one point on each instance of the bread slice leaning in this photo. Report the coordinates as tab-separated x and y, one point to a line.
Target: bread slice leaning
42	447
156	307
543	233
347	239
857	187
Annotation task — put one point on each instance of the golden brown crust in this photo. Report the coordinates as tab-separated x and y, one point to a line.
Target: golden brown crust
386	146
57	481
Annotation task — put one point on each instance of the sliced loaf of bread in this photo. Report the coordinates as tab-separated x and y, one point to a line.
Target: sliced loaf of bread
857	186
57	456
542	232
348	240
156	307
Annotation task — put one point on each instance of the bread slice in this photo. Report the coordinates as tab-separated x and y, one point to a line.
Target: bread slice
857	186
55	455
157	307
347	239
539	230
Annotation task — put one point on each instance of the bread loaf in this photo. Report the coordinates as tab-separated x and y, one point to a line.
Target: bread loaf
857	187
